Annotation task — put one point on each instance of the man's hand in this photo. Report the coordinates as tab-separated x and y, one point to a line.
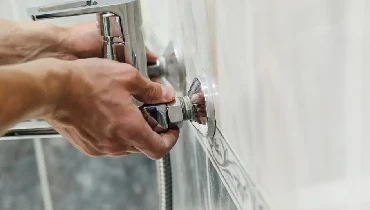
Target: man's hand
26	41
89	102
97	113
79	35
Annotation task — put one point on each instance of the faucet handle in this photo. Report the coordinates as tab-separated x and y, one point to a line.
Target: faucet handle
65	9
109	24
171	66
64	6
79	7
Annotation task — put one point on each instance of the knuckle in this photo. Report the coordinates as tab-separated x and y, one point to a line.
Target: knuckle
113	148
131	75
128	129
118	129
114	131
157	156
107	150
158	152
135	130
153	91
119	154
91	153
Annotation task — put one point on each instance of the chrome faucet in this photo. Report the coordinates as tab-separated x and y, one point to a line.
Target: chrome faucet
119	23
196	105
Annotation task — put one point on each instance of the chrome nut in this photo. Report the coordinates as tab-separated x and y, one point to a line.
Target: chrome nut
175	111
155	70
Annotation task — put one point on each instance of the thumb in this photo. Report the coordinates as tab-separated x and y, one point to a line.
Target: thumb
150	92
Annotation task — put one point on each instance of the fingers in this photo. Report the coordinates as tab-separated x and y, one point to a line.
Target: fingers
150	56
125	152
134	130
170	138
141	88
149	92
132	149
119	154
155	79
142	136
160	144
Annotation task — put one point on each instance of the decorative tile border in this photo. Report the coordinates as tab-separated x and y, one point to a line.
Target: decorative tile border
234	176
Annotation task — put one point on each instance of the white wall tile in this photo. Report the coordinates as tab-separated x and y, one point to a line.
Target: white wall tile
292	82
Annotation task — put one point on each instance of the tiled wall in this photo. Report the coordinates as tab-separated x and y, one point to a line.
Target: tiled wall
293	91
75	181
197	185
19	178
79	182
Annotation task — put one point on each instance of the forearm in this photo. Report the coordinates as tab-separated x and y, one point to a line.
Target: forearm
28	91
25	41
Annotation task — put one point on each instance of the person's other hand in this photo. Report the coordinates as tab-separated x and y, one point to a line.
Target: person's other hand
26	41
96	113
84	41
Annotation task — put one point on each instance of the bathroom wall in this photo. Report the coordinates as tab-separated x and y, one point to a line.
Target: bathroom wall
292	87
292	98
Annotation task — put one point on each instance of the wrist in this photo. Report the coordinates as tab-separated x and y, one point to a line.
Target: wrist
50	80
83	40
54	43
21	42
30	90
56	79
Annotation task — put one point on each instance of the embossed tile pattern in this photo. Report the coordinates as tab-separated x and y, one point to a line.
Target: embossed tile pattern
196	183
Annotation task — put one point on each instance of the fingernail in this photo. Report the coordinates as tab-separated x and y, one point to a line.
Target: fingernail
168	93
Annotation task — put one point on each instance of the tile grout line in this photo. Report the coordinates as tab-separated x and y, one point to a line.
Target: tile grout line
41	167
208	184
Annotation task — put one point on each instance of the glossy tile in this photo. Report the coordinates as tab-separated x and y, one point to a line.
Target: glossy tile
190	181
19	179
219	197
292	91
81	182
196	183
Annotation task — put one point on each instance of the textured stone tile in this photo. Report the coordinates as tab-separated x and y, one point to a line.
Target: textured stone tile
81	182
19	180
